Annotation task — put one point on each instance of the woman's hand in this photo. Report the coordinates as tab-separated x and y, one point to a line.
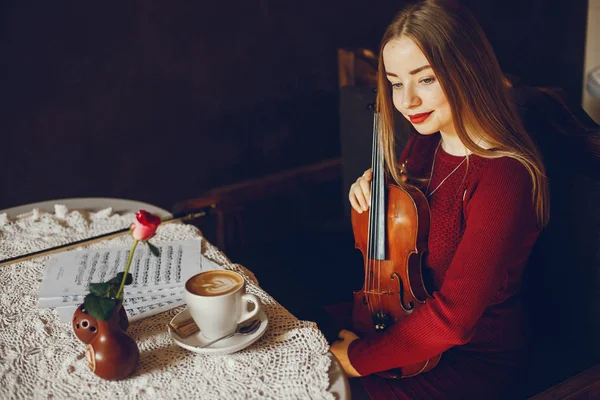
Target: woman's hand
360	192
339	349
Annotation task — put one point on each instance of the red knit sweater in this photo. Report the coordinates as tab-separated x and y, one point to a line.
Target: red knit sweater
483	227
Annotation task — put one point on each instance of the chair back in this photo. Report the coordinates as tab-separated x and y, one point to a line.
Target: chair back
561	285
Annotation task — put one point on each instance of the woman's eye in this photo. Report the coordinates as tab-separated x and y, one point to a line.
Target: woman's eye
427	81
396	85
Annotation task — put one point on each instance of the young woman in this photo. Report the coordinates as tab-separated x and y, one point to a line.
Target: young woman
488	197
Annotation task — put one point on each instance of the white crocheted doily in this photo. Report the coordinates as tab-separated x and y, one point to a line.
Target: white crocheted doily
40	357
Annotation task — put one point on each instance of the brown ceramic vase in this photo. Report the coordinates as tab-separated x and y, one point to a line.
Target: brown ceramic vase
85	325
111	353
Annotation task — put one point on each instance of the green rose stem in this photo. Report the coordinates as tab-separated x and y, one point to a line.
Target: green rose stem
120	292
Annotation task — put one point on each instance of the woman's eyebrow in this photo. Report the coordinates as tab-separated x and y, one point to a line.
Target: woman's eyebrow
414	71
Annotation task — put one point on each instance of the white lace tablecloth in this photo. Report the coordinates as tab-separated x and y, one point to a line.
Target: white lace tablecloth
40	357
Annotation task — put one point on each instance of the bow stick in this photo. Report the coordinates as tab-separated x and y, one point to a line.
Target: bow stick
187	216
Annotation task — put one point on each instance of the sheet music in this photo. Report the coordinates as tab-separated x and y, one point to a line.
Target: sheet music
134	314
68	274
137	298
157	281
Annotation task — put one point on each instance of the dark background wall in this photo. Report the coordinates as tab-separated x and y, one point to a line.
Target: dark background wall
160	101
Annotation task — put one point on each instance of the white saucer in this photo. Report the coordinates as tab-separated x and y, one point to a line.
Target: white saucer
225	346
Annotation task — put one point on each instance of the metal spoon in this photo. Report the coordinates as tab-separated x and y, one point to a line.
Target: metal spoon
243	330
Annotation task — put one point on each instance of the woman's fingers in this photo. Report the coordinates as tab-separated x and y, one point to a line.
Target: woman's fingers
353	201
345	334
357	198
361	196
365	186
360	192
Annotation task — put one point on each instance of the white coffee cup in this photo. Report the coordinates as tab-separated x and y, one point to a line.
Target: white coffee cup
218	302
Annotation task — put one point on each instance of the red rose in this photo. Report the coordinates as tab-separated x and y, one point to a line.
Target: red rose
145	225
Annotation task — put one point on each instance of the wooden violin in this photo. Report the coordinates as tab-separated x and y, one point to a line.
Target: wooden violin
392	238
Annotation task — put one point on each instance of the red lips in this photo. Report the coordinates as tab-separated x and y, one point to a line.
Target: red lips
419	118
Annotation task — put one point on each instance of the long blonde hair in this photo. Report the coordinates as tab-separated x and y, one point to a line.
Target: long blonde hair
471	78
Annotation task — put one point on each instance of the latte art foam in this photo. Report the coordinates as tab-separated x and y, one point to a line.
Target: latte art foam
214	283
219	285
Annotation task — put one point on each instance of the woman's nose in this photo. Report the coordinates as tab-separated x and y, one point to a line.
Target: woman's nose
410	98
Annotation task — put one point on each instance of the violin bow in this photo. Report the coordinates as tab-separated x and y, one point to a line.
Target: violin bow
180	217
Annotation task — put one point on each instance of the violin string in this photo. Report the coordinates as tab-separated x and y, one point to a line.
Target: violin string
377	186
370	231
382	205
376	210
371	219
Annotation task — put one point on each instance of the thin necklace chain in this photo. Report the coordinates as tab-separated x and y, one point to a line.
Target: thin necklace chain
447	176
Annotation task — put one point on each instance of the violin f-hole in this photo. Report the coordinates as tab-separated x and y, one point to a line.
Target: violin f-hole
405	307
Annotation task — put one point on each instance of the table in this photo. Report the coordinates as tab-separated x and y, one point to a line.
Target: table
41	358
118	206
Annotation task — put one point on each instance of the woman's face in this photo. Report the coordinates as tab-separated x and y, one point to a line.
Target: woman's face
416	92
